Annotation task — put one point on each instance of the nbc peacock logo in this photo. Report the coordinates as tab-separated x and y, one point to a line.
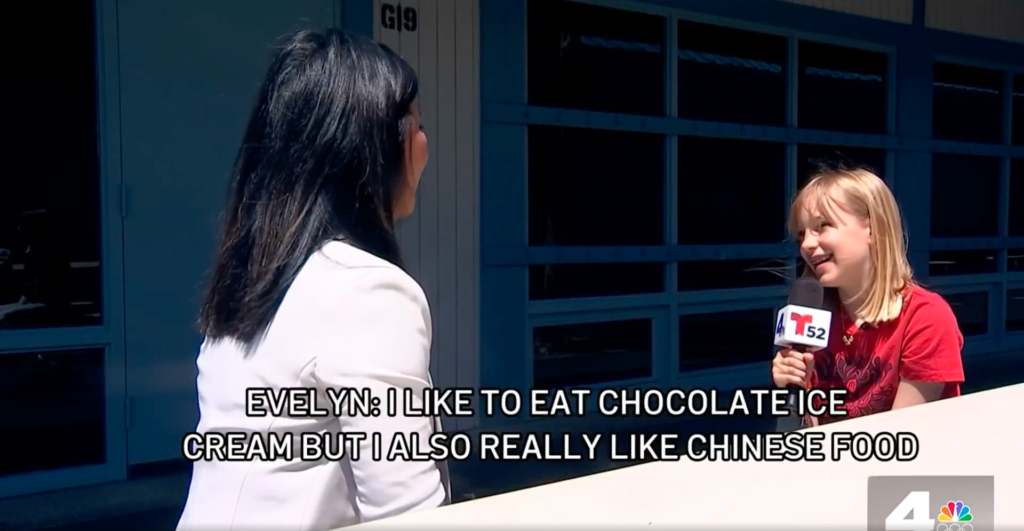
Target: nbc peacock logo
955	516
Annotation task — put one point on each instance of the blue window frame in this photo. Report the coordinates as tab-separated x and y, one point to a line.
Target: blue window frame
674	57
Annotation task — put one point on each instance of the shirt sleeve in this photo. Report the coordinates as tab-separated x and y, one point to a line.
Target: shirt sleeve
932	345
382	342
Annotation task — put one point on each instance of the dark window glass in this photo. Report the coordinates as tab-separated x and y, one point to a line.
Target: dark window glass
967	103
591	353
590	187
1017	194
961	184
1015	310
1017	133
1015	260
725	274
595	58
731	191
946	263
566	281
842	89
53	409
726	339
810	156
971	310
50	274
731	75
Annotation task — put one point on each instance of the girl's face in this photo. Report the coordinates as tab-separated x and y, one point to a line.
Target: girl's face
836	246
415	161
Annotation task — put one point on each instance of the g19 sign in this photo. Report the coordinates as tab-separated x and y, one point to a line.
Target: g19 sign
398	18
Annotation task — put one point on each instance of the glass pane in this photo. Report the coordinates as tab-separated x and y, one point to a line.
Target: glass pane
590	187
1017	194
53	409
566	281
730	75
49	192
725	274
582	56
967	103
946	263
810	156
731	190
1015	310
591	353
842	89
1015	260
971	310
726	339
964	183
1017	133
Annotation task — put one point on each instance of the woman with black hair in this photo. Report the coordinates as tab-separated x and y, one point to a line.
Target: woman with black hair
308	291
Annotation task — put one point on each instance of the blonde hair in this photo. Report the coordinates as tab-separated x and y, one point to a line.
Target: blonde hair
865	195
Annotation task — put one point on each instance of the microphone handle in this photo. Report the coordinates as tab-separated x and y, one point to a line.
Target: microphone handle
793	399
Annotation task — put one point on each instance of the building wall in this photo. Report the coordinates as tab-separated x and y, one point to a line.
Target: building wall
995	19
439	242
891	10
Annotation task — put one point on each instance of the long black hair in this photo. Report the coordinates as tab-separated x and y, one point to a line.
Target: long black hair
322	159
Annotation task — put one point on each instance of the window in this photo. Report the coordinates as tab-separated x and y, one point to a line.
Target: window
1015	310
50	398
731	75
1017	128
568	281
946	263
727	274
593	187
582	56
702	343
1016	222
964	183
730	190
971	310
967	103
592	353
50	271
842	89
810	157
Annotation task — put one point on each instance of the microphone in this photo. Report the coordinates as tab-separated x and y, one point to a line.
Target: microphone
803	325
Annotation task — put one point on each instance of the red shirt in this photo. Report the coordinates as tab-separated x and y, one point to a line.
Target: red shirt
923	344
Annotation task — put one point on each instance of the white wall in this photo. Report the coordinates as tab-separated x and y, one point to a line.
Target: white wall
891	10
440	241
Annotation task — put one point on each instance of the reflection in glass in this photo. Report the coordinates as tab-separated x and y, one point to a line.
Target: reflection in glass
809	157
967	103
591	353
731	191
1015	260
1017	194
728	274
971	310
591	187
49	194
842	89
594	58
1015	310
567	281
946	263
1017	132
53	409
726	339
731	75
964	183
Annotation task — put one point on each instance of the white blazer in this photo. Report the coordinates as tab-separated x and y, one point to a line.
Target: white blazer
350	320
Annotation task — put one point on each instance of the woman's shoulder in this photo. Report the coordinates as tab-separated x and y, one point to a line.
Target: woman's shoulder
341	267
921	302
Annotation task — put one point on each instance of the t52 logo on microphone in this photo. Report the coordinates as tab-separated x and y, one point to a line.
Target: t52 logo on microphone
801	326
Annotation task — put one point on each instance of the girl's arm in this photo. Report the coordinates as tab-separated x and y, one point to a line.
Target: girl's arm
931	356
